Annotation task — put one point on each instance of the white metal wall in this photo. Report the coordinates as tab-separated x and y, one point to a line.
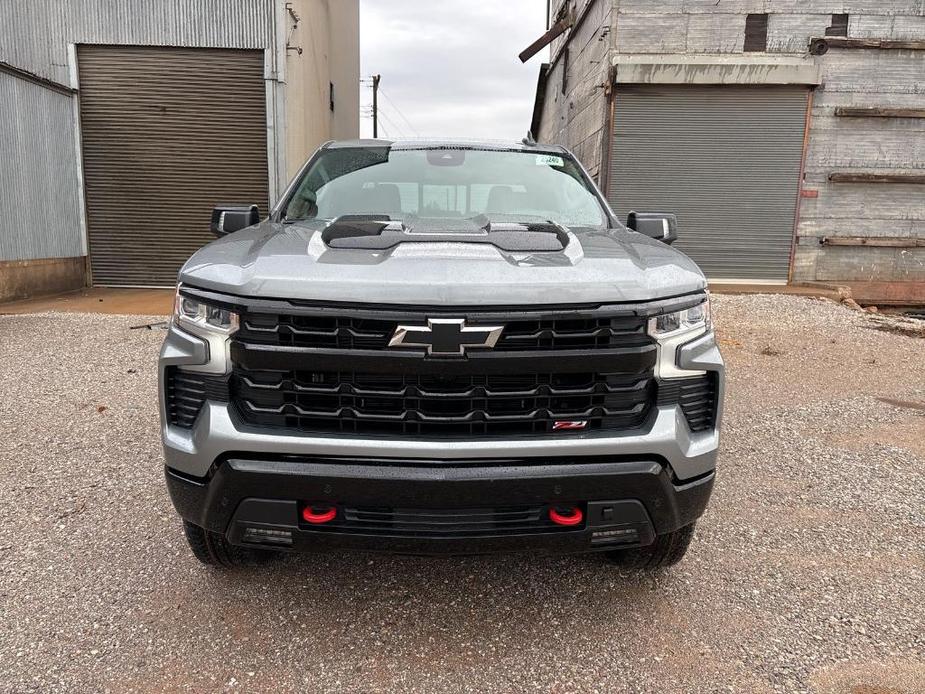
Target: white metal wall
39	37
39	169
38	172
34	34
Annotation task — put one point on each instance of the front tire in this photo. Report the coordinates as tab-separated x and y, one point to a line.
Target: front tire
667	550
212	549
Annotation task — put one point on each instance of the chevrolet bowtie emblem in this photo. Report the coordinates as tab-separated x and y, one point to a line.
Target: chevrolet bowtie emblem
446	336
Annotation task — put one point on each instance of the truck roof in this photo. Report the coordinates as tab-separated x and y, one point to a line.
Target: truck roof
443	143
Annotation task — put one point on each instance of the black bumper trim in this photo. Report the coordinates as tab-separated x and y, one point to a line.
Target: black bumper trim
629	360
279	485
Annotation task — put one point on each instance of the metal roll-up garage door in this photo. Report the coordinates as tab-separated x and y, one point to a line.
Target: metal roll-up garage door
726	160
167	133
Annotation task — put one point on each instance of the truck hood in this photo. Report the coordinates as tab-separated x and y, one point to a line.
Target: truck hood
290	261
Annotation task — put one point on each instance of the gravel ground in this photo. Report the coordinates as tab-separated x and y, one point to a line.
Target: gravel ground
807	573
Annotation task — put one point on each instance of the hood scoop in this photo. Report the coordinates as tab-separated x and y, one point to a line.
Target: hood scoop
378	233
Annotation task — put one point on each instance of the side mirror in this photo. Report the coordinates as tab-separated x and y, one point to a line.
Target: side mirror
656	225
227	219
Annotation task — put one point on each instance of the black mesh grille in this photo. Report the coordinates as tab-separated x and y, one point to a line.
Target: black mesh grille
344	401
341	332
185	396
696	396
187	392
492	522
573	333
315	331
342	388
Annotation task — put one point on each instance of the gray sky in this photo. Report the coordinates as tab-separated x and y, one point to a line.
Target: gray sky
449	67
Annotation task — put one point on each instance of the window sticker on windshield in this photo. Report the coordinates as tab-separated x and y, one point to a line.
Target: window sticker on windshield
549	160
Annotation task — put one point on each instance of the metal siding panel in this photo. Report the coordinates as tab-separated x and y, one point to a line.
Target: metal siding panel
726	160
167	134
34	33
38	173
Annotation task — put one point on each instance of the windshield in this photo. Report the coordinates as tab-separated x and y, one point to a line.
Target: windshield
445	183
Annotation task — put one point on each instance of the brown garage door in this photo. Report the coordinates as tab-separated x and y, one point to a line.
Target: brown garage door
167	133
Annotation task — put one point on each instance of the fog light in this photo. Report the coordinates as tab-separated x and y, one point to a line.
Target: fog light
268	536
620	535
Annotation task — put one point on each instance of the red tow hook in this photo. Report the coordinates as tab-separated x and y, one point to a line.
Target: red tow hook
565	515
318	516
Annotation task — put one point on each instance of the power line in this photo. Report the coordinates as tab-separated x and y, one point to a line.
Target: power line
399	112
367	112
392	124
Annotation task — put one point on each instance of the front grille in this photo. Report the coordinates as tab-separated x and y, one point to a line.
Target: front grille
573	333
696	396
330	370
343	332
322	332
479	522
409	403
187	391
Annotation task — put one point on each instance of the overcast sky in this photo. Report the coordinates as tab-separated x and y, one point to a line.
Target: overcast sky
449	67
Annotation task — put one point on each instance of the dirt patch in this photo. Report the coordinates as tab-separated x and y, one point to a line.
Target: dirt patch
907	434
900	326
894	677
906	404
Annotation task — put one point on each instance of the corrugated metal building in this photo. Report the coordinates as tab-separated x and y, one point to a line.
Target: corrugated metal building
789	136
124	122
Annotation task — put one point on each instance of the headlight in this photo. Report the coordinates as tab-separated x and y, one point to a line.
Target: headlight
681	322
200	316
672	330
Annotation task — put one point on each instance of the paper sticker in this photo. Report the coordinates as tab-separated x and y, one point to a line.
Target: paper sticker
549	160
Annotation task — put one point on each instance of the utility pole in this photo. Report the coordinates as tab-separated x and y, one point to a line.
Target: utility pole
376	79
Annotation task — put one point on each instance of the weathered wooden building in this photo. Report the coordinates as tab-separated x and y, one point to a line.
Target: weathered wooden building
124	122
788	135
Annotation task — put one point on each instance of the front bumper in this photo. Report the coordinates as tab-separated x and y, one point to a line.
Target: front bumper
228	476
625	503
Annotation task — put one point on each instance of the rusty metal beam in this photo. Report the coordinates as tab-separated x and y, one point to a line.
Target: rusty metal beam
862	177
820	45
879	112
874	241
577	21
554	32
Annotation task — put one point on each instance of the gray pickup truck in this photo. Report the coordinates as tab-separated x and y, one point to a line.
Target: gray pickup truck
436	347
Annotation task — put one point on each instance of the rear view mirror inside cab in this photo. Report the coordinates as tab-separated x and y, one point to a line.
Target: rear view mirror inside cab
446	157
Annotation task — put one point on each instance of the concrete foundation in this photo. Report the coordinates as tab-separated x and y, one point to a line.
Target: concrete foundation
888	293
21	279
714	69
